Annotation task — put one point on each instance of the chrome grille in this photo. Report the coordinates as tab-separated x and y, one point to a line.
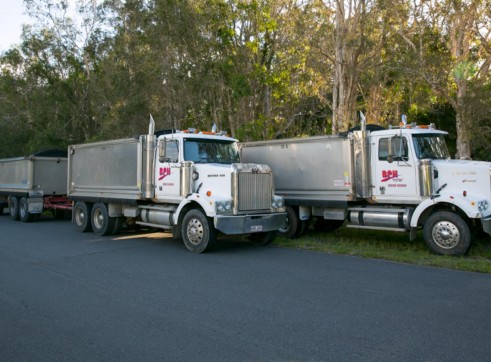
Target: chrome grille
254	191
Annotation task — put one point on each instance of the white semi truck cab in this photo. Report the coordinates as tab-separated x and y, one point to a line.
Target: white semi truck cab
399	179
188	182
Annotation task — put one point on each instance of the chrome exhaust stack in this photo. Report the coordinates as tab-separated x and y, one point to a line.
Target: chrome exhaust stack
148	160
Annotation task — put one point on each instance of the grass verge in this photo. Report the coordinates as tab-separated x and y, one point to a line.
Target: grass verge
391	246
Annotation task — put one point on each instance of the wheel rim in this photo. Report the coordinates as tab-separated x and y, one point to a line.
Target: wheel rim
195	231
446	234
286	226
80	216
22	209
98	218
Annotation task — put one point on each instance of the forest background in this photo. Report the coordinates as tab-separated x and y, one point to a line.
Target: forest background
259	69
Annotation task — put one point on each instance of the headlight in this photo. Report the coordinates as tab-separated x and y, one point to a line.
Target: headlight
482	205
277	202
223	206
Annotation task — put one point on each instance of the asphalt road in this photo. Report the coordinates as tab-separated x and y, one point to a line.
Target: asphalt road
67	296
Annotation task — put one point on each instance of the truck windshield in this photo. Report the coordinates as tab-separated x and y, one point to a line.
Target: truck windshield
430	146
210	151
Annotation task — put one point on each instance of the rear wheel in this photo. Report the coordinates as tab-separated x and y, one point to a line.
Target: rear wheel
24	214
118	224
293	226
446	233
81	216
14	207
2	207
263	238
102	224
198	232
327	225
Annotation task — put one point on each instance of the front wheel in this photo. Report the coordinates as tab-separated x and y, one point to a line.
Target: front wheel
446	233
198	233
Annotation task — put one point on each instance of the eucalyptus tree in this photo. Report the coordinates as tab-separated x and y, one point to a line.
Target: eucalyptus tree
451	45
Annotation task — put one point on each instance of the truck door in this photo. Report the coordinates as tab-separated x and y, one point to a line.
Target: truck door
167	171
394	169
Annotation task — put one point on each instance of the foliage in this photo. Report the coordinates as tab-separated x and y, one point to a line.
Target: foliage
92	70
391	246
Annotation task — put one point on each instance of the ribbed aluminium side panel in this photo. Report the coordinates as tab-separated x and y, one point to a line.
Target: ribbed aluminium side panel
254	191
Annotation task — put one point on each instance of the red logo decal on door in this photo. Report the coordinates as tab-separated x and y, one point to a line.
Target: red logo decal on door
164	172
388	175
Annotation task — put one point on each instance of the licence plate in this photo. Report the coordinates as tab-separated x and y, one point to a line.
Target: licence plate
256	228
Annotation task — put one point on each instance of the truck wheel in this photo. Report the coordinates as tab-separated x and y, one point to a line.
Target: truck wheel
118	225
293	226
81	216
263	238
102	224
14	208
198	233
24	214
328	225
446	233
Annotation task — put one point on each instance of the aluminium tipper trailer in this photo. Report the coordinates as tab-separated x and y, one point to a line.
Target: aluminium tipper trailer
31	184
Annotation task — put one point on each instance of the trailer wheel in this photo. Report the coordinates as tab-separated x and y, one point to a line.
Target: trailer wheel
24	214
14	207
293	226
198	233
81	216
263	238
446	233
102	224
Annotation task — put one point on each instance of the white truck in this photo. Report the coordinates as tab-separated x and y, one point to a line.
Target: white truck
29	185
190	183
399	179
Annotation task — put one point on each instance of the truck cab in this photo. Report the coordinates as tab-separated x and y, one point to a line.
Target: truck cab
411	166
203	170
395	156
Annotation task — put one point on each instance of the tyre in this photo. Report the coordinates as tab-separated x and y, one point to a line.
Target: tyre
293	226
446	233
102	224
81	216
263	238
118	225
327	225
198	232
14	208
24	214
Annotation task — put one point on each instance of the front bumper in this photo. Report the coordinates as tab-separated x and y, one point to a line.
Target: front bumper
246	224
486	225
